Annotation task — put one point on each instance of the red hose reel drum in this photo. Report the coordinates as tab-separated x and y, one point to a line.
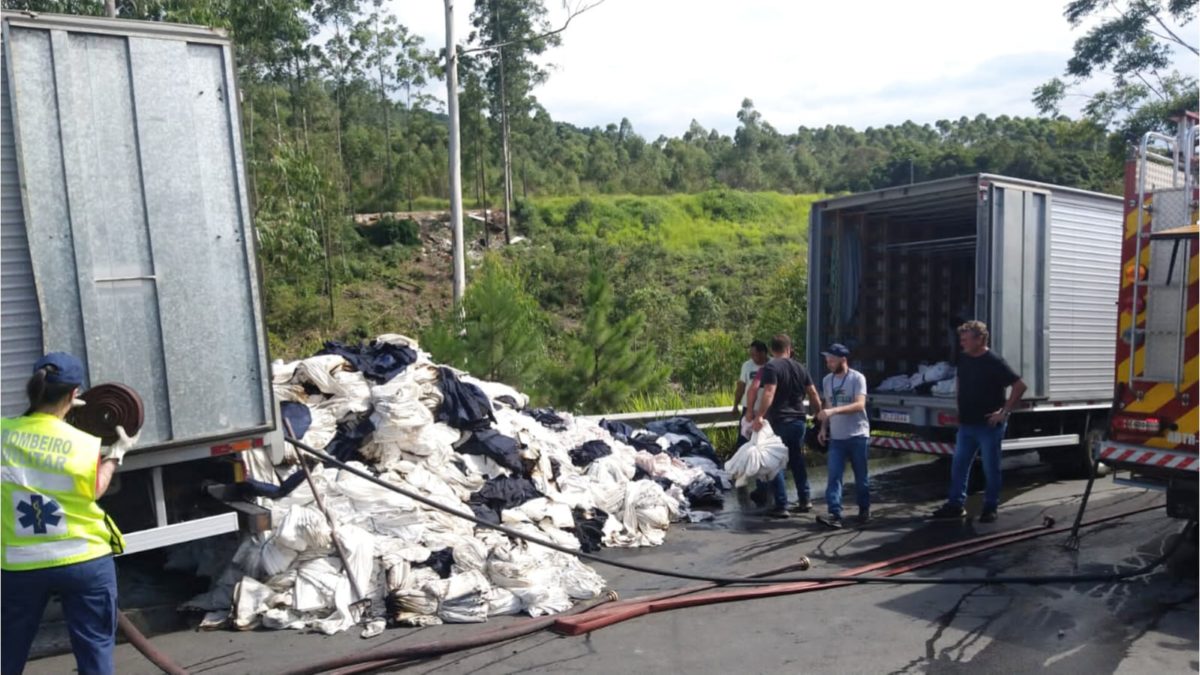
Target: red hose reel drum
107	406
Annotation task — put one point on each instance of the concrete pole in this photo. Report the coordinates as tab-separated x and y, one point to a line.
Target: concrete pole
456	215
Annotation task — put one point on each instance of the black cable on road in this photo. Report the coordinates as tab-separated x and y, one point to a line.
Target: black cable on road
731	581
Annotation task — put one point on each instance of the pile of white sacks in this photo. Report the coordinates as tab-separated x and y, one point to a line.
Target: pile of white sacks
292	576
940	374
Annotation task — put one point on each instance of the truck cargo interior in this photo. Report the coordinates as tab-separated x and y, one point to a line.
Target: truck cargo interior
900	279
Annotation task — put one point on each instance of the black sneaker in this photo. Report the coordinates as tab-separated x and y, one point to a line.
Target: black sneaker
863	517
801	507
777	512
948	512
988	516
830	520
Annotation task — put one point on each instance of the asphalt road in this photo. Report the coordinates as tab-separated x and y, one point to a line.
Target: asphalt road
1146	625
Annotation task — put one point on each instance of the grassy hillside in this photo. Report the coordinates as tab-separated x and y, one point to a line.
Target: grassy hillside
682	223
710	271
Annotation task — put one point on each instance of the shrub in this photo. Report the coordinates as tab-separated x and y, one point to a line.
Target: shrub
732	205
708	360
527	219
581	211
387	231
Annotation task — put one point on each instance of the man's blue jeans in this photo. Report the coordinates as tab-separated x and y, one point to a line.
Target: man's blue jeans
854	449
972	439
89	598
792	435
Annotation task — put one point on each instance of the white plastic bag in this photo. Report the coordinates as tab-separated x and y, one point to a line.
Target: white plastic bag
763	456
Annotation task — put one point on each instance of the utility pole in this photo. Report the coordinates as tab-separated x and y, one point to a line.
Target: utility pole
506	155
456	215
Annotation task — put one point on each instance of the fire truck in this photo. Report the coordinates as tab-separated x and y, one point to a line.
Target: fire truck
1151	440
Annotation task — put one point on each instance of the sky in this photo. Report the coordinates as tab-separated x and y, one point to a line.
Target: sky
860	63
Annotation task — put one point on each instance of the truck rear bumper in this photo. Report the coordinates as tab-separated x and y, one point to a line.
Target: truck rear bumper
941	448
1141	456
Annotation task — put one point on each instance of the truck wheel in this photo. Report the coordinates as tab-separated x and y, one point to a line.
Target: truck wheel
1075	461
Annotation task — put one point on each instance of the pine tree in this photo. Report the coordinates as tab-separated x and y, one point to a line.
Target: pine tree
499	336
609	360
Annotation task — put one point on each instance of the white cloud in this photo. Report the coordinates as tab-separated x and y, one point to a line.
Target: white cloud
662	63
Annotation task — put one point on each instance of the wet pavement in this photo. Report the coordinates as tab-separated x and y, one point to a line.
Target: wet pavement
1146	625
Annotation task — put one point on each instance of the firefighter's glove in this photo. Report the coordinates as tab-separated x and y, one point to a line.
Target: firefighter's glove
124	444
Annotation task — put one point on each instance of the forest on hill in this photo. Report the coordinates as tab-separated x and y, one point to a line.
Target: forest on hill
663	256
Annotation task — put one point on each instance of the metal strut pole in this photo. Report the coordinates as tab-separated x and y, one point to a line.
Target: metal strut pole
337	542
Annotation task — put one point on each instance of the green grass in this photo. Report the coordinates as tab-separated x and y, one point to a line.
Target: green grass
684	223
678	400
428	204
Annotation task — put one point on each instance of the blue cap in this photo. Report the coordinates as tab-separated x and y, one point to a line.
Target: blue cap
837	349
64	368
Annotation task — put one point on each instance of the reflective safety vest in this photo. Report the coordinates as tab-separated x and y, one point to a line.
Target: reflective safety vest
48	511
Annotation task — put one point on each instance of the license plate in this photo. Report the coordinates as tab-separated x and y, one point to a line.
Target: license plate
900	416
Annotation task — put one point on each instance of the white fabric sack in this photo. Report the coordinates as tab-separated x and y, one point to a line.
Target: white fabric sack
398	340
355	396
646	513
763	456
302	528
279	618
461	597
322	430
319	371
250	601
944	388
895	383
316	582
501	602
942	370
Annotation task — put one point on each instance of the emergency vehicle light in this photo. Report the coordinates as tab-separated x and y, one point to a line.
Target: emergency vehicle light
1144	425
1142	272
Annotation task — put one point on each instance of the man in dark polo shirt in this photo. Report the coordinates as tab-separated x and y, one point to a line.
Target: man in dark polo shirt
778	396
983	412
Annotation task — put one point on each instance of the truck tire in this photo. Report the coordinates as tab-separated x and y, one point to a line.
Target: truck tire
1074	461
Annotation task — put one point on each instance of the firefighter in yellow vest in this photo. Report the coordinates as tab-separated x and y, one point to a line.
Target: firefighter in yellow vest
54	537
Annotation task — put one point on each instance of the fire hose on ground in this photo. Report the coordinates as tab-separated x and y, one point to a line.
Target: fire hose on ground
722	580
608	611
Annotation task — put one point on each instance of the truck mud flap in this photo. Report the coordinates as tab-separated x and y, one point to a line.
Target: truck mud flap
1182	499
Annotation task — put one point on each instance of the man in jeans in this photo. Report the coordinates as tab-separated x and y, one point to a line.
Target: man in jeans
777	396
844	423
982	419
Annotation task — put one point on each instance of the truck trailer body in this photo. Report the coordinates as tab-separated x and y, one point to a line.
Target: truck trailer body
127	240
893	272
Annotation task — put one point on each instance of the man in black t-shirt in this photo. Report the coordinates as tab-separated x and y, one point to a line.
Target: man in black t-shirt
983	412
778	396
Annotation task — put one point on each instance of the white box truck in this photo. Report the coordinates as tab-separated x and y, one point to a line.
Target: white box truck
893	272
